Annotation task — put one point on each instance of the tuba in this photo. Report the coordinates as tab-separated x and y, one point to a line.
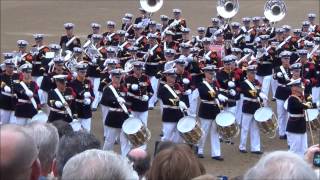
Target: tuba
227	8
275	10
151	6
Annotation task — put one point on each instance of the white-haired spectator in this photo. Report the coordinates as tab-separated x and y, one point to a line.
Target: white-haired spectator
71	144
97	164
46	138
281	165
18	154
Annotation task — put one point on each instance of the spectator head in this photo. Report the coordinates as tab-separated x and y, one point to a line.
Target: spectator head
163	145
205	177
18	154
177	162
103	165
141	161
63	127
280	165
71	144
46	138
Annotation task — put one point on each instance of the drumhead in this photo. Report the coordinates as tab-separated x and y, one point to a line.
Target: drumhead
225	118
40	117
263	114
131	125
312	114
186	124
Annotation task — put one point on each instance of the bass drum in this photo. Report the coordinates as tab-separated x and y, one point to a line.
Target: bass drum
189	129
267	121
137	133
313	118
226	125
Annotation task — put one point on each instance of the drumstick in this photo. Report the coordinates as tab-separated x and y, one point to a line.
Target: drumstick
307	118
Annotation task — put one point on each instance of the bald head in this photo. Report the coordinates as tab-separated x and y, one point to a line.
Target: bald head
18	152
141	160
138	153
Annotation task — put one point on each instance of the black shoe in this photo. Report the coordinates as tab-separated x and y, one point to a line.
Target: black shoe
228	142
200	156
93	109
150	108
161	135
257	152
284	137
218	158
273	99
243	151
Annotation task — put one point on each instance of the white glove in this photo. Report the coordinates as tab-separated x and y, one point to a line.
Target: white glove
87	101
318	104
94	60
263	96
74	74
145	98
222	98
231	84
182	105
29	93
134	87
185	81
187	92
58	104
232	92
86	94
279	75
121	100
7	89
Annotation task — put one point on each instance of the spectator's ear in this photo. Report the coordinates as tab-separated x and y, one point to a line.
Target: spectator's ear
55	168
35	170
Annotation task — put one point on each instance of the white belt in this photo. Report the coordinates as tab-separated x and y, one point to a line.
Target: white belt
134	96
24	101
36	62
282	85
6	94
250	99
223	90
296	115
79	100
266	62
170	107
208	102
195	74
115	109
152	63
250	44
58	111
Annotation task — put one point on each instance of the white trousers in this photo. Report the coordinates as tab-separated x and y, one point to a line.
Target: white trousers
6	116
209	125
315	94
154	84
239	110
96	100
170	132
282	117
38	80
274	86
265	83
20	120
143	116
298	143
193	101
95	82
43	96
232	109
111	136
85	123
104	113
249	124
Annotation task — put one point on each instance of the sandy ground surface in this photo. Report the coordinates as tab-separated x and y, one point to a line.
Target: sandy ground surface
20	19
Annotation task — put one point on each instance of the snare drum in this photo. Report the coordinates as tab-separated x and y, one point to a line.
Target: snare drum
226	125
137	133
314	118
266	119
189	129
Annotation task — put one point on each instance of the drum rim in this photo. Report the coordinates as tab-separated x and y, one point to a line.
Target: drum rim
130	120
265	115
186	117
220	114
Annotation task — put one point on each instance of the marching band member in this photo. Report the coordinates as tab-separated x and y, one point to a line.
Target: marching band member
22	50
197	40
229	78
208	110
84	96
168	42
252	97
38	63
7	99
69	36
185	36
127	25
238	38
169	94
95	29
297	124
311	19
316	87
153	57
213	28
246	24
139	91
282	75
61	101
164	22
179	23
114	96
140	40
183	79
27	97
108	36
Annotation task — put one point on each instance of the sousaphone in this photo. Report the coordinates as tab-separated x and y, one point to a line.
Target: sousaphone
151	6
275	10
227	8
